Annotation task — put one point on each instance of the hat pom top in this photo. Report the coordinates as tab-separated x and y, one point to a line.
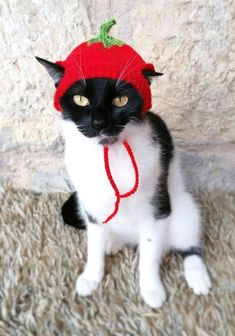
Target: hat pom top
103	36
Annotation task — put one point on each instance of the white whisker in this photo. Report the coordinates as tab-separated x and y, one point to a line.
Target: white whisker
121	85
81	72
124	69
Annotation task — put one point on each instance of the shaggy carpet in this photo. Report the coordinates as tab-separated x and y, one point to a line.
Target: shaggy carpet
40	259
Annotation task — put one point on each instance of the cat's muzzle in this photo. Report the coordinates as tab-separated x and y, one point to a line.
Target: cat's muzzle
107	139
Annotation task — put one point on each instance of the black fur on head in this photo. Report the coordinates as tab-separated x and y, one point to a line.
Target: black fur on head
54	70
149	74
100	118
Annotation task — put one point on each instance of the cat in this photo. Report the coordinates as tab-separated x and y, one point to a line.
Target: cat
161	216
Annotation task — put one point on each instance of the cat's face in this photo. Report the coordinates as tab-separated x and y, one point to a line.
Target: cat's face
102	107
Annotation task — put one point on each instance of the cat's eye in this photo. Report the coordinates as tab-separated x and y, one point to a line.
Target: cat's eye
120	101
81	100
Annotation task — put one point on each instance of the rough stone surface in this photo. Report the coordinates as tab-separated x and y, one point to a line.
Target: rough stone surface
191	42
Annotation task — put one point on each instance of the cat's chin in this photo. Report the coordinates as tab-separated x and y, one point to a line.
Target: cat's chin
107	140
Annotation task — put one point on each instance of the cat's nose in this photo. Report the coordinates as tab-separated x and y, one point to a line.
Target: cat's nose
98	124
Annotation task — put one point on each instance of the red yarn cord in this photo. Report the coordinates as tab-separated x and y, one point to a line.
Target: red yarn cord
112	182
134	164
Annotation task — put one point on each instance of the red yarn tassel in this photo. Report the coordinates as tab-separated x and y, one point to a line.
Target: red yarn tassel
112	182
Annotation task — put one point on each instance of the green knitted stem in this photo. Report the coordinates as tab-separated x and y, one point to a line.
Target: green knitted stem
108	41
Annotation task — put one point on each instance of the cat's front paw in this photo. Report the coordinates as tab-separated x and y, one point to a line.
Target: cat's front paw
154	297
85	286
196	275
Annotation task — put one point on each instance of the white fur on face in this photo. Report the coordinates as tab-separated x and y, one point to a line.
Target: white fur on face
134	223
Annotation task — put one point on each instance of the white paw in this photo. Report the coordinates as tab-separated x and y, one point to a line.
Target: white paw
85	286
196	275
154	297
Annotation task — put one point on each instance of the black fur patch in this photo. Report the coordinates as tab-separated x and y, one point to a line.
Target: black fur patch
70	213
190	251
161	135
101	116
149	74
54	70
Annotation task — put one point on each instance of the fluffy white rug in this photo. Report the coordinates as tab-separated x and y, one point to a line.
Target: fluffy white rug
40	259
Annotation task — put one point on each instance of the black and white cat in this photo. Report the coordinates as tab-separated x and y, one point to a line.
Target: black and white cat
159	217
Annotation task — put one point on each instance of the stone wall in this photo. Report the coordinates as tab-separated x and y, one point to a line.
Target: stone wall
191	42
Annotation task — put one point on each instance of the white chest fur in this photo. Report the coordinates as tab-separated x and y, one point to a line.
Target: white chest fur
134	222
85	163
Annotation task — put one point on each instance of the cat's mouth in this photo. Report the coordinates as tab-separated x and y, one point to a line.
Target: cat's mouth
107	139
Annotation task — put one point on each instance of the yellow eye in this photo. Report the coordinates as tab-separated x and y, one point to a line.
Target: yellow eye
120	101
81	100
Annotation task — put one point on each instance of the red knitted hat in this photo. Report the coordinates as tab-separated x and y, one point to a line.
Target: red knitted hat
105	57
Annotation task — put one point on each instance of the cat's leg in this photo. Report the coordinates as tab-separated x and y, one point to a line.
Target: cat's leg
185	237
93	273
195	272
71	213
151	249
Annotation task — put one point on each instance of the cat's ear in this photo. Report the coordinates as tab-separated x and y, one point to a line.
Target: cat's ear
54	70
149	74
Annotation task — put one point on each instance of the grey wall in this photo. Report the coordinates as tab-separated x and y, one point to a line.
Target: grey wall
191	42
